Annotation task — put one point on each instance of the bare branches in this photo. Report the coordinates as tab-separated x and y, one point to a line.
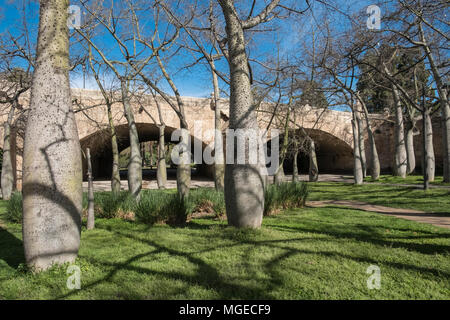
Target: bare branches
263	16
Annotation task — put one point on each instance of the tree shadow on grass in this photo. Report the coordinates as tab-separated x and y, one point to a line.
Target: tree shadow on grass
209	277
206	275
289	251
419	227
201	226
11	249
400	196
276	277
369	236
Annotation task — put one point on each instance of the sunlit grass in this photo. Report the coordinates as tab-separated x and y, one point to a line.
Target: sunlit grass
310	253
412	179
435	200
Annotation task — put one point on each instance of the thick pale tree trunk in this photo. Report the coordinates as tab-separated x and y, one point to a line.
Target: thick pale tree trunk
409	144
313	167
90	217
52	174
7	178
357	166
219	161
362	147
400	157
135	163
430	164
244	183
374	161
115	174
161	171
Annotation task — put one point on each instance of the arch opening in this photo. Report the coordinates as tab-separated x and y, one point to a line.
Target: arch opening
333	154
101	151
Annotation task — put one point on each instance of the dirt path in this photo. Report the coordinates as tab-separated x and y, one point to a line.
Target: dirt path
409	214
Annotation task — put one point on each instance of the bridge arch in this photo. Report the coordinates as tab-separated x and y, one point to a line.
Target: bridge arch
99	143
334	155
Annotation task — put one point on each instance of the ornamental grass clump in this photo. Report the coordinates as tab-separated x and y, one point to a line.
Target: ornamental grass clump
287	195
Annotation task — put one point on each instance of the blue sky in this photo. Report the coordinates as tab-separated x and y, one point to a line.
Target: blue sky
196	81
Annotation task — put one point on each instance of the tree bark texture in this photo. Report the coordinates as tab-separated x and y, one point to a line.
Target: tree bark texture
52	174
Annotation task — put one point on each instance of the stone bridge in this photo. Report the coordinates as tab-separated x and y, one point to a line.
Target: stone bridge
331	131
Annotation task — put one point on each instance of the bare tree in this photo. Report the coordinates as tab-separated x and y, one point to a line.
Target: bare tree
375	161
399	91
161	170
108	20
418	23
342	73
10	97
279	175
400	157
358	167
210	57
156	49
16	66
115	174
244	185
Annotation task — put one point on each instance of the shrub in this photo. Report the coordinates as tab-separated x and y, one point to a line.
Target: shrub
287	195
271	196
208	200
178	209
108	205
14	208
152	207
293	195
157	206
219	203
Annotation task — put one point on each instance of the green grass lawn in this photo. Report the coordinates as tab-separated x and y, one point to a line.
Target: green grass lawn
311	253
435	200
412	179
